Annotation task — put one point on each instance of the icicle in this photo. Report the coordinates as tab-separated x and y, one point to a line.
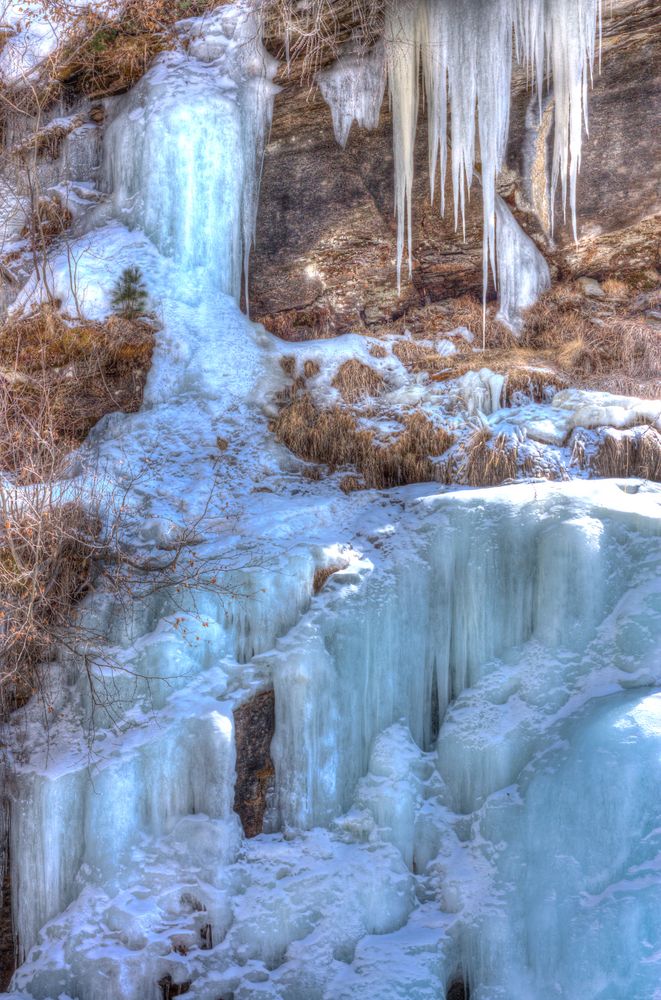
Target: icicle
465	52
402	26
353	88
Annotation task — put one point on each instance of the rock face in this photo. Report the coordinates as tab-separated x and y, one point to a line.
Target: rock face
324	260
254	726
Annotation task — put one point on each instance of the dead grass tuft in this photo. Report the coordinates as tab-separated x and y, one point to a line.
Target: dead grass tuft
594	344
632	453
332	437
485	460
418	357
310	369
355	380
614	288
534	384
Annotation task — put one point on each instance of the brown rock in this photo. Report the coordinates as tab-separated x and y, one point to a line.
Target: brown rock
254	726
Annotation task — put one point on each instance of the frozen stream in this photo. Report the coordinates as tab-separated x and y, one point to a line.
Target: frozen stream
468	717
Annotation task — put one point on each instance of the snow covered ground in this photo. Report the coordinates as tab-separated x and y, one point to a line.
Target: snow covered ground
468	729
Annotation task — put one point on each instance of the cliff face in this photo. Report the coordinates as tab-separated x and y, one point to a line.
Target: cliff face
324	260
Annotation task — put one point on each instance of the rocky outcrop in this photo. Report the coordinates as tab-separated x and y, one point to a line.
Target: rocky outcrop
254	726
324	260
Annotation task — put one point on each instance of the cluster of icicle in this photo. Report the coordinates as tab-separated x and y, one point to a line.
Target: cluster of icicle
458	54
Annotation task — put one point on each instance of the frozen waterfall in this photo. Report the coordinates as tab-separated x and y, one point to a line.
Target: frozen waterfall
473	695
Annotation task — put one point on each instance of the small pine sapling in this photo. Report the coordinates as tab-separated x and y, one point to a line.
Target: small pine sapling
129	296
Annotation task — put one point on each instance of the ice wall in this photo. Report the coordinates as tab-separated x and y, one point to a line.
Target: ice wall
446	710
473	585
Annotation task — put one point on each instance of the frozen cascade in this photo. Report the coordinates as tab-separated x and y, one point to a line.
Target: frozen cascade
184	154
460	681
513	623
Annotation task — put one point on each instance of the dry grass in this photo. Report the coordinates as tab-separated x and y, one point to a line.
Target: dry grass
485	460
596	346
418	357
432	321
315	322
58	379
105	52
534	384
332	437
355	380
629	454
310	369
288	365
46	553
614	288
323	574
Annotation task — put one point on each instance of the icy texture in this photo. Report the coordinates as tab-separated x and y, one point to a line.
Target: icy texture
511	621
523	274
196	197
354	89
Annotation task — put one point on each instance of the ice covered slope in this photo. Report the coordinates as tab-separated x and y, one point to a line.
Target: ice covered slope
460	722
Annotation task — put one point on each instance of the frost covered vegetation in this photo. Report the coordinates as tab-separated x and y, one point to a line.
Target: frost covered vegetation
312	708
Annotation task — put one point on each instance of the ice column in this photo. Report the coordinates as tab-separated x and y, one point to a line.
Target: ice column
184	152
523	273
